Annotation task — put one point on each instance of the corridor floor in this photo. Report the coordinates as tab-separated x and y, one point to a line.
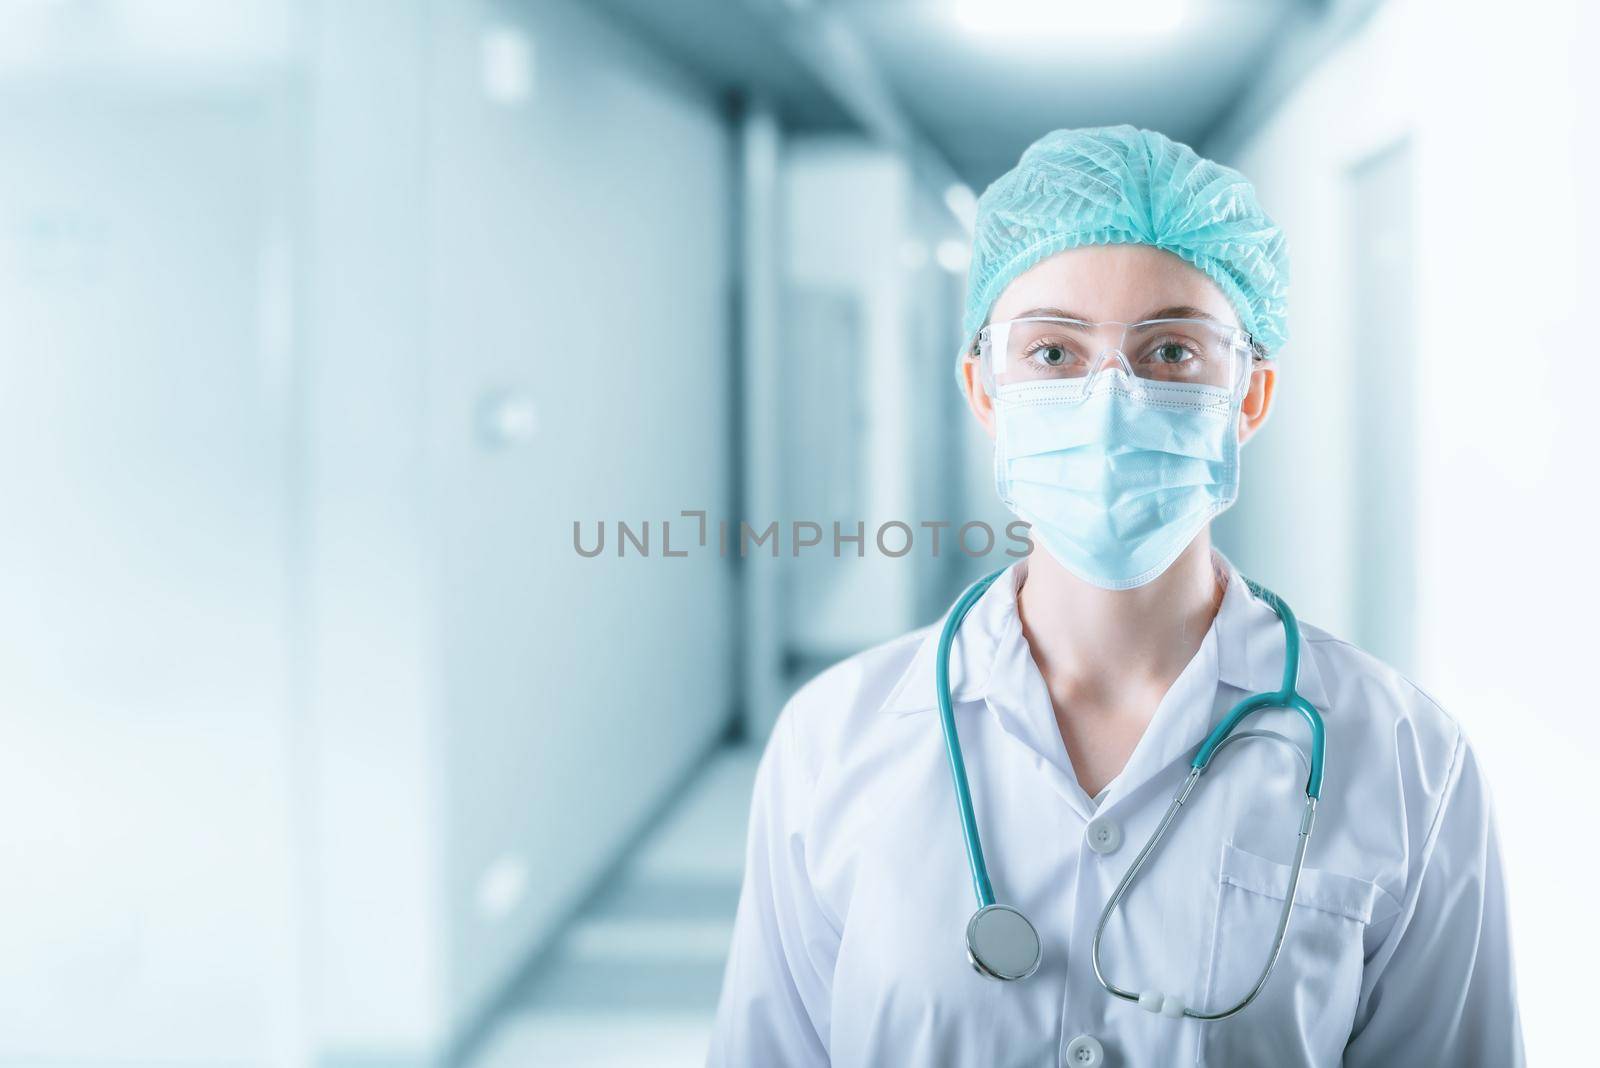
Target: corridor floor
635	982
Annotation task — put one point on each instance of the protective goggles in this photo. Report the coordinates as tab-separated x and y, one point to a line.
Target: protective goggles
1169	351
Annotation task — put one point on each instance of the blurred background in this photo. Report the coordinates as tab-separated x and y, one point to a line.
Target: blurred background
327	325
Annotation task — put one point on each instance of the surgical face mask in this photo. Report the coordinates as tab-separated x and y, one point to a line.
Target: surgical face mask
1116	474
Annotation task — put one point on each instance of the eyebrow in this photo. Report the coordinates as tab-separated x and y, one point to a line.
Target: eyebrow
1177	311
1183	311
1051	313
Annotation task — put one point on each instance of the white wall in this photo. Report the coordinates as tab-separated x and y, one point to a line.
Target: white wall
515	210
859	247
313	720
371	780
578	253
1500	105
858	265
146	412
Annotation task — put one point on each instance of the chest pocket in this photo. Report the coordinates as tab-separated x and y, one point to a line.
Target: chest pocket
1304	1013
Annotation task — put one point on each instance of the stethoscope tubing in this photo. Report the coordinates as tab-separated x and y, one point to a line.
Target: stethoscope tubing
952	741
1286	696
1280	933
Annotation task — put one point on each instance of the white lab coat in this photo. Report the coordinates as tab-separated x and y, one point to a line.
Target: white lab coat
849	944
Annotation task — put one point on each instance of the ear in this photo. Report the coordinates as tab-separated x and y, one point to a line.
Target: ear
978	398
1257	399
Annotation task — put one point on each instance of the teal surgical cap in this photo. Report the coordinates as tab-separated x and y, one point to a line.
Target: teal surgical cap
1117	185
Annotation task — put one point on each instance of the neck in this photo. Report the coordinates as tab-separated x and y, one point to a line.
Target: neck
1098	643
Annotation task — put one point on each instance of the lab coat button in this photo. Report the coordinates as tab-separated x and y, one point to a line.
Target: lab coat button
1104	836
1085	1052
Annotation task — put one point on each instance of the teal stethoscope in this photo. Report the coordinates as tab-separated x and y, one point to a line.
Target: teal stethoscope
1002	943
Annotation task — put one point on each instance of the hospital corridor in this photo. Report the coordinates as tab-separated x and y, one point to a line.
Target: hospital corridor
518	520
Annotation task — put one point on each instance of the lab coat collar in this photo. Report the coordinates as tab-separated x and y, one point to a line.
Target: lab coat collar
1243	648
1252	645
971	657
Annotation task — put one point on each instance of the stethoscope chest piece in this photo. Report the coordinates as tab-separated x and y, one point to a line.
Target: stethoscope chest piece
1002	944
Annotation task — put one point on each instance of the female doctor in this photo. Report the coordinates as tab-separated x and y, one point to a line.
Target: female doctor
1125	300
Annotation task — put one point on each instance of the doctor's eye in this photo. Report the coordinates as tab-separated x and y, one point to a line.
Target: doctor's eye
1174	355
1048	355
1172	352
